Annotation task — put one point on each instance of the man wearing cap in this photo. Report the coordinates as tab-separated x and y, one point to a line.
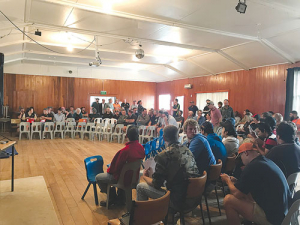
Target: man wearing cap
215	115
96	105
226	110
265	182
193	108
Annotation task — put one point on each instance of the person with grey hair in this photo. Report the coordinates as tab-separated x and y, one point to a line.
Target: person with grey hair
109	105
173	167
77	115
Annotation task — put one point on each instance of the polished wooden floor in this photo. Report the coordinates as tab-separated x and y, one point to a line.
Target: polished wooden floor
61	164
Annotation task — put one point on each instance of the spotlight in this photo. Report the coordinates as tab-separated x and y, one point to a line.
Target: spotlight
38	33
241	7
139	53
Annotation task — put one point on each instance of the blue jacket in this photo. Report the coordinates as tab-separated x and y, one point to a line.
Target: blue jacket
201	150
201	120
217	147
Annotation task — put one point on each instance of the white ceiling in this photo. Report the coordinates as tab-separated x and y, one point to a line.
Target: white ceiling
180	38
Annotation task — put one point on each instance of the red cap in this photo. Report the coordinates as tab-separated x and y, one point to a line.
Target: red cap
246	147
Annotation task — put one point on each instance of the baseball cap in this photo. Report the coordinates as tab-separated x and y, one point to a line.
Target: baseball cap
246	147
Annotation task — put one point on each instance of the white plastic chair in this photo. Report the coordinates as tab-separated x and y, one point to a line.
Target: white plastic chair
60	128
70	120
80	129
178	124
142	130
108	130
113	121
292	181
36	127
50	129
70	128
118	132
124	135
149	133
99	131
98	120
293	215
89	129
24	129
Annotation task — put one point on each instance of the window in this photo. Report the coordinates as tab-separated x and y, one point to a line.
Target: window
180	102
164	102
296	95
214	96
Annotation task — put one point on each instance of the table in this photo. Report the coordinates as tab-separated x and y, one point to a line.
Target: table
4	121
3	147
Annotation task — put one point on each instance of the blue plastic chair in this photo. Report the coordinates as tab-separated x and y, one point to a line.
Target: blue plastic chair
147	148
93	166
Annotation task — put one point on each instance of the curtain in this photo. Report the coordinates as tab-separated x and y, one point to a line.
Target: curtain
292	93
296	96
214	96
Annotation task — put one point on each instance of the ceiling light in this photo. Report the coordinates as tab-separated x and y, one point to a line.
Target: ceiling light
70	48
241	7
38	33
139	53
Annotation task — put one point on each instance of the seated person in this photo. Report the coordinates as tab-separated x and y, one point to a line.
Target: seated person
237	117
166	120
116	115
191	115
21	113
256	119
94	115
180	118
130	120
29	114
71	112
135	112
200	118
45	117
267	185
153	119
143	119
59	117
230	138
286	154
265	139
215	142
198	145
122	117
174	166
130	153
50	111
108	114
84	112
77	115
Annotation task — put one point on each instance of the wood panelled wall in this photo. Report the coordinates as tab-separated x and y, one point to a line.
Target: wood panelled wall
43	91
259	90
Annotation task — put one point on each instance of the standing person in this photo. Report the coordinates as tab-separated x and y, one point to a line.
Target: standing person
59	116
198	145
215	115
102	107
131	152
96	105
267	185
206	109
134	105
200	118
176	108
193	108
125	105
140	107
110	105
117	106
227	111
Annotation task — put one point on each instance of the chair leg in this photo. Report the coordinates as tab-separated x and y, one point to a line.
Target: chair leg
128	193
202	215
182	218
218	200
208	214
107	196
166	219
95	194
86	190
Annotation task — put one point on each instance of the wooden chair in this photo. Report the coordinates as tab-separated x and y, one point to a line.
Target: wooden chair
229	168
214	174
147	212
194	193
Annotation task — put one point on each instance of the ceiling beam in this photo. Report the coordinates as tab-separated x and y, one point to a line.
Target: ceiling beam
200	66
233	60
147	19
13	43
176	70
13	60
277	50
52	27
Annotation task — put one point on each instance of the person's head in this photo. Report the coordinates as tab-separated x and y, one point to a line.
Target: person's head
103	100
246	111
82	109
207	101
144	112
50	108
207	128
247	153
208	117
59	111
134	110
63	109
190	114
125	100
263	130
278	118
236	114
270	121
123	112
165	114
22	110
94	111
191	128
107	110
228	129
45	111
139	102
78	110
31	109
97	99
133	133
160	113
176	100
151	112
256	118
170	134
110	100
134	102
191	102
155	112
180	113
211	104
286	132
271	112
220	104
226	102
117	112
265	115
200	112
130	112
71	108
293	115
117	101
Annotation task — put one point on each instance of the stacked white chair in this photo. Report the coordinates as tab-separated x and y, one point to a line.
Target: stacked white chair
24	129
149	134
124	135
80	129
36	127
89	129
98	120
118	132
48	128
108	130
60	128
142	130
179	124
70	128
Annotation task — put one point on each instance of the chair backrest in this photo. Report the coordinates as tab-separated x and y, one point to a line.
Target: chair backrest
81	126
71	126
93	166
109	128
179	124
50	126
82	120
118	128
89	126
36	126
292	181
129	176
151	129
292	217
60	126
196	186
230	164
24	126
70	120
113	121
15	121
215	171
151	211
98	120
